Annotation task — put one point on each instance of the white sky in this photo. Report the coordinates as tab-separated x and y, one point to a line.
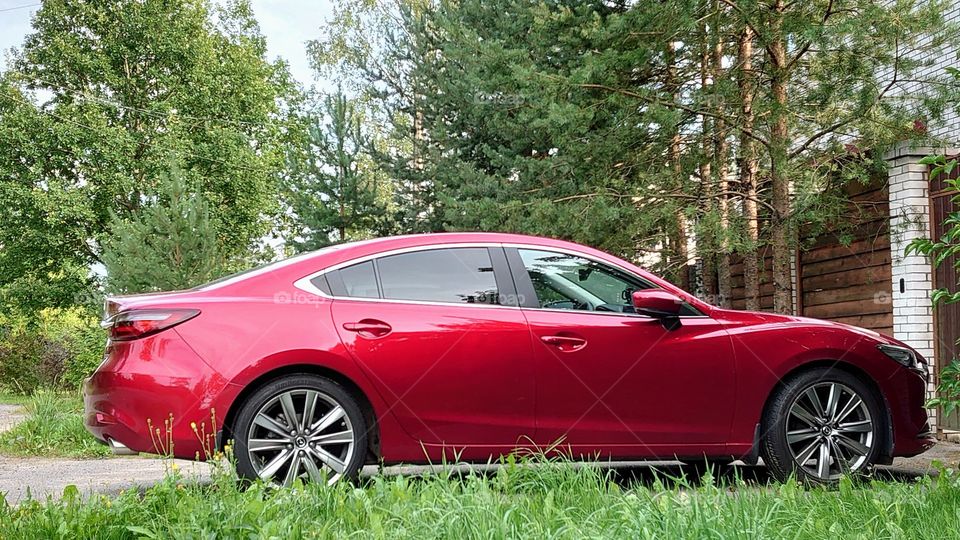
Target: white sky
287	25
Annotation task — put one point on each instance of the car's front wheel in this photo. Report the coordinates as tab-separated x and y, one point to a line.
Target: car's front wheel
300	426
822	424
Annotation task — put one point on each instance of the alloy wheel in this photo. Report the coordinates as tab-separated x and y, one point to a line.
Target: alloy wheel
301	433
829	430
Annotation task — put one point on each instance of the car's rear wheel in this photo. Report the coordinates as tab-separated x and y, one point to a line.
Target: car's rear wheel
300	426
821	425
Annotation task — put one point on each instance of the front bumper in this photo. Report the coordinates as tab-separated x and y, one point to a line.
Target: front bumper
907	394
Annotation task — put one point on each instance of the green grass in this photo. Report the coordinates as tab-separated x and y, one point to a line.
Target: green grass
53	428
548	501
13	399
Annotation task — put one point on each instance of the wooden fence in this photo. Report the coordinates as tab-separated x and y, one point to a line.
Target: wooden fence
842	276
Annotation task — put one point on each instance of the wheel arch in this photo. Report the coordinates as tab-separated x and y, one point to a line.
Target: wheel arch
366	406
852	369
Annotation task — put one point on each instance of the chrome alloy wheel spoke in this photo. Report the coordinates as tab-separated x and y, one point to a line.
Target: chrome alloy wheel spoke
829	430
298	434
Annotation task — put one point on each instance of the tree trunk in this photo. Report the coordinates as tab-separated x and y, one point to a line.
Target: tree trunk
720	152
748	171
678	237
705	244
779	178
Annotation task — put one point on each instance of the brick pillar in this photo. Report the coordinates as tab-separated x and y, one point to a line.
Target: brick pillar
909	219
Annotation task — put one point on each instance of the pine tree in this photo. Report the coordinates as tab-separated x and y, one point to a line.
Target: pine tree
168	243
616	123
333	191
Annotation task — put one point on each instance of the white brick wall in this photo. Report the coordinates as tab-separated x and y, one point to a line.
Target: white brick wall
909	219
947	129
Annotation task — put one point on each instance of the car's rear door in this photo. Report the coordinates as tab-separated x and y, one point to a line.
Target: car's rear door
612	381
436	334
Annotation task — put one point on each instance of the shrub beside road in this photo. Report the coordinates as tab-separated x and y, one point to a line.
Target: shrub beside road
53	427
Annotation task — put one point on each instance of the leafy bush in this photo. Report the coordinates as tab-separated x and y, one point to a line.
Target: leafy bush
56	350
53	428
948	390
79	332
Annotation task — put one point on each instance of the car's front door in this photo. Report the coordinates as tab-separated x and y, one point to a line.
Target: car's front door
436	339
612	381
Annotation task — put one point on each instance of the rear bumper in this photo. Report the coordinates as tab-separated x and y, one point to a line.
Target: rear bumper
153	395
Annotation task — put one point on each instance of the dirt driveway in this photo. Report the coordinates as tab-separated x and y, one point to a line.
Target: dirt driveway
36	477
40	478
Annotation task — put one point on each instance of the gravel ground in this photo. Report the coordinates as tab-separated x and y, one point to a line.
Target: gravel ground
39	478
22	477
10	415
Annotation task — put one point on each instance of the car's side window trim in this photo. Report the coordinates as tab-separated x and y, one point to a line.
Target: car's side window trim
522	287
505	286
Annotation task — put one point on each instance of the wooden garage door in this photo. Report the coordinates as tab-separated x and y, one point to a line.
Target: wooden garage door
946	317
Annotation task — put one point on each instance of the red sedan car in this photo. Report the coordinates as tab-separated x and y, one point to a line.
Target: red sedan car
470	346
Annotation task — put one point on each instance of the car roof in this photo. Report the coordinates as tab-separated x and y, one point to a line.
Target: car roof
281	273
338	253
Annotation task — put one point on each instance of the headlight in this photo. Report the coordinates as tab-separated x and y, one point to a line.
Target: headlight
902	355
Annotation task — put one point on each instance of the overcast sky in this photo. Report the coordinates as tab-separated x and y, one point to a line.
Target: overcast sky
287	24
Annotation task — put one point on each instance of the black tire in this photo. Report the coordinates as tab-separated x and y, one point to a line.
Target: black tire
854	455
295	390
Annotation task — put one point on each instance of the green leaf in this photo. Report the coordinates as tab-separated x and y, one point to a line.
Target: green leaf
142	532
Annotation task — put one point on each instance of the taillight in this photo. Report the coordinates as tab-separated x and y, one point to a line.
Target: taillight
138	323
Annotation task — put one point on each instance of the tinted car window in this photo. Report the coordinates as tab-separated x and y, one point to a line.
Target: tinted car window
360	281
455	275
564	281
321	283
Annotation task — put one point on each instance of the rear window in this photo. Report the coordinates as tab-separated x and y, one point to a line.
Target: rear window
360	281
450	275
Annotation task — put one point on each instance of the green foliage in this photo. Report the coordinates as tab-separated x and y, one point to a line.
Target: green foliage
53	428
100	99
526	500
333	190
948	391
940	251
81	335
169	243
57	349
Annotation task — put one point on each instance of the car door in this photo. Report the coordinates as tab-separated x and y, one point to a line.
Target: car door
612	381
435	333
